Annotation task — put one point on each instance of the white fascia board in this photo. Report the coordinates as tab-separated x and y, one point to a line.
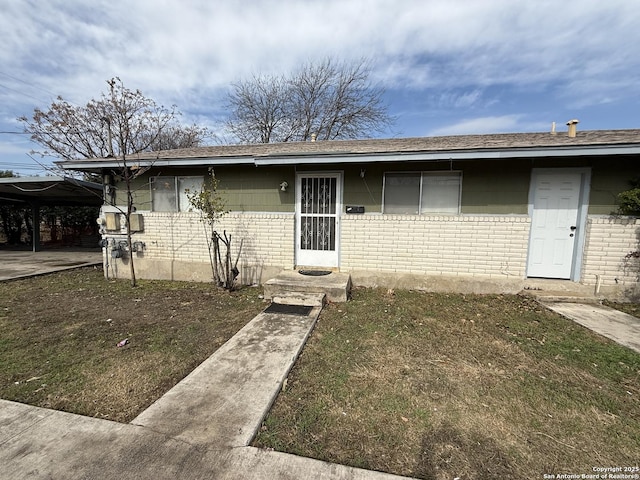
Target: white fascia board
51	179
451	155
160	162
535	152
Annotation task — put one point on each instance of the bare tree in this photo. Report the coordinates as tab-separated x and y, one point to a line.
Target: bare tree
327	99
260	113
120	123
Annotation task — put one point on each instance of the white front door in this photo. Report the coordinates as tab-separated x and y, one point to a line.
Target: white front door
554	223
318	207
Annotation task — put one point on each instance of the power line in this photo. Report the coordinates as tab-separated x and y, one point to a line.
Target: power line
27	83
22	93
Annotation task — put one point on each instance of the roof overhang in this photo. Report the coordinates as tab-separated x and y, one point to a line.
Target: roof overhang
50	191
319	158
96	166
451	155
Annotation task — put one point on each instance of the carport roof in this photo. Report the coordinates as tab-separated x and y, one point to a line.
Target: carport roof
52	191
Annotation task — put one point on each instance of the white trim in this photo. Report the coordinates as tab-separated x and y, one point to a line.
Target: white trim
320	158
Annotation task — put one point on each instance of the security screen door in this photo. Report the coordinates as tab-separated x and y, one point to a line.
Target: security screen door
318	207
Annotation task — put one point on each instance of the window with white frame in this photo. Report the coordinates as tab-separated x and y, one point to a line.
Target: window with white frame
415	193
169	194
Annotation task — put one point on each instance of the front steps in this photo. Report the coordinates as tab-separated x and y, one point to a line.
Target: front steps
563	291
290	287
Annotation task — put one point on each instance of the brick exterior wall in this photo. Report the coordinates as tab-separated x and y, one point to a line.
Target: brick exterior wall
608	241
482	246
268	238
180	239
494	246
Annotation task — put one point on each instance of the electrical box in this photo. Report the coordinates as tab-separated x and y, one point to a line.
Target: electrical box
355	209
137	222
112	221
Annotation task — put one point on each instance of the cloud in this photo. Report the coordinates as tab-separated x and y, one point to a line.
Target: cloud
494	124
164	46
188	52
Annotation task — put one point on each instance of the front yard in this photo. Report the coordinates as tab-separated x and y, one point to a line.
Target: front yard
59	334
451	386
428	385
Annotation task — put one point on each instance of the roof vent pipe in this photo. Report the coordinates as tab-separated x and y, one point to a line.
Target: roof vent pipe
313	137
573	125
553	128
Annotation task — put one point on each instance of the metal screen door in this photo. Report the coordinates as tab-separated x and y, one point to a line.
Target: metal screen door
318	206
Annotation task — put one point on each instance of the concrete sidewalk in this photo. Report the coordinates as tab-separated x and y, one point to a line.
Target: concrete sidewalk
200	429
223	401
618	326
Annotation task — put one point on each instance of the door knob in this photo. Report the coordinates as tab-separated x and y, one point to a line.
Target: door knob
573	227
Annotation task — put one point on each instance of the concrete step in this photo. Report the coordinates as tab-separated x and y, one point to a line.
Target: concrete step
550	291
300	298
558	298
335	286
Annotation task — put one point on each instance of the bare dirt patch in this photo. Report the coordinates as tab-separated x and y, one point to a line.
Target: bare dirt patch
443	386
59	335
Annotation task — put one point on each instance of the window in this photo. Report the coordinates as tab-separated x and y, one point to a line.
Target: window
169	194
416	193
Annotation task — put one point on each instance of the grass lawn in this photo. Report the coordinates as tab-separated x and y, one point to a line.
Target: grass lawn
58	337
429	385
443	386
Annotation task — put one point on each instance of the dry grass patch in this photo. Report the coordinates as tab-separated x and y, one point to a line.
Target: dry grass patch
59	335
630	308
443	386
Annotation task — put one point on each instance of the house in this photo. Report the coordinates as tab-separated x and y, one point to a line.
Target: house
491	209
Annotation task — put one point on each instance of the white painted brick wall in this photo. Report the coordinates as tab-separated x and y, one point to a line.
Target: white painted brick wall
608	241
478	245
485	245
267	238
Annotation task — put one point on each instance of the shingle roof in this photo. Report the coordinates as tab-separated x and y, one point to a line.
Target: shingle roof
502	142
418	144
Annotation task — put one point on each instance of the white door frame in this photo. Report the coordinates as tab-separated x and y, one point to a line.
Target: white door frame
583	207
329	259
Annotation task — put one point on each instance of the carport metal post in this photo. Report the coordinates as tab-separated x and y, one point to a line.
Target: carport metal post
35	224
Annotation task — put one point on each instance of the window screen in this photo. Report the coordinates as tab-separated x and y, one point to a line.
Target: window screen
168	194
440	193
193	184
163	194
402	193
416	193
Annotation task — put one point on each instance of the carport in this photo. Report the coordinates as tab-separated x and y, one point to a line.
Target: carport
48	191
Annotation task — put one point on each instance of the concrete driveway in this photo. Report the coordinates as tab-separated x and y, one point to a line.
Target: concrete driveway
19	264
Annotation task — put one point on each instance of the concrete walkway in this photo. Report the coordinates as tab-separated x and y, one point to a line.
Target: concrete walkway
21	264
200	429
618	326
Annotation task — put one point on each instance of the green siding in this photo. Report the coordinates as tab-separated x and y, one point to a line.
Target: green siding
140	191
367	191
257	189
495	189
488	187
607	181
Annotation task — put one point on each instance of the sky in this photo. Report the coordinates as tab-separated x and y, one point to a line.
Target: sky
448	67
